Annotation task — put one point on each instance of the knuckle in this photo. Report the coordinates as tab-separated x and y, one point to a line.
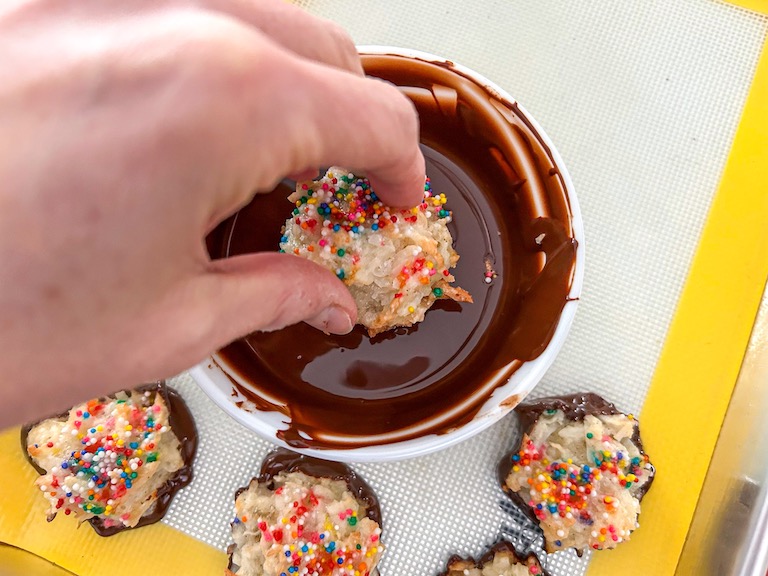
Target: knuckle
343	46
342	38
217	52
403	112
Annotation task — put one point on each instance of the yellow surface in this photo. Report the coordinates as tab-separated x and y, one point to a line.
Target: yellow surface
704	349
156	549
760	6
17	562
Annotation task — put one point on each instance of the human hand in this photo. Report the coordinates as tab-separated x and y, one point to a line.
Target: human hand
129	131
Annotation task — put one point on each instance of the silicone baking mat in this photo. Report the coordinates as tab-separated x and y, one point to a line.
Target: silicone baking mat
642	99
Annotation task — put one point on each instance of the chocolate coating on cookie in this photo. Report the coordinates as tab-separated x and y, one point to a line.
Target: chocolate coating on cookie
575	407
286	461
183	426
502	546
579	472
274	476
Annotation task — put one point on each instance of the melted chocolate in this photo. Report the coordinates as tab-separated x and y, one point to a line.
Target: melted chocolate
500	546
510	214
182	425
575	407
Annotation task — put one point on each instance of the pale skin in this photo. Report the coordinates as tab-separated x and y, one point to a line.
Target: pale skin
129	130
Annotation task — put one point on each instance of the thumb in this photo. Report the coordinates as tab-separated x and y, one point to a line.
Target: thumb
269	291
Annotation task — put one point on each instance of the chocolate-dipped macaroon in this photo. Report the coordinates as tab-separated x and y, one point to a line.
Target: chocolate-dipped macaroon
396	263
500	560
303	515
116	462
580	471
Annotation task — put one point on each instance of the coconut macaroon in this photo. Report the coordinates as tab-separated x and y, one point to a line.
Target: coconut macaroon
580	471
303	515
396	263
115	462
500	560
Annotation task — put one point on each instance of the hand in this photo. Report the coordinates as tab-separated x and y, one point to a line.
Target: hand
129	130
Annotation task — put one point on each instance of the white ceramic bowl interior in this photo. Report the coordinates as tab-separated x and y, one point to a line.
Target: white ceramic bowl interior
218	385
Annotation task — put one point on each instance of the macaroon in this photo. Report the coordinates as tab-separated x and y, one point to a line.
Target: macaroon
115	462
580	471
500	560
303	515
396	263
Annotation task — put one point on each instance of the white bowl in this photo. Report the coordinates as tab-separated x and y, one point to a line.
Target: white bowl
218	384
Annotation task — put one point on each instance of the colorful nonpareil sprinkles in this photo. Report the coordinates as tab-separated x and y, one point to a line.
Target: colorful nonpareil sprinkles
593	499
342	207
396	263
312	535
116	447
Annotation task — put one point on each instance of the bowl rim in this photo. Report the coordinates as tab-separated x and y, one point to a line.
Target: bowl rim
213	380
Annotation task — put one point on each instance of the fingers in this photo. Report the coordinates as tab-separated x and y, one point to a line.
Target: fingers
308	174
308	36
266	291
358	123
232	298
398	180
266	113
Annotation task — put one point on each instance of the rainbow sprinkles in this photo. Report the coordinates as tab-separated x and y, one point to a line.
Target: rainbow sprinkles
580	472
396	263
106	459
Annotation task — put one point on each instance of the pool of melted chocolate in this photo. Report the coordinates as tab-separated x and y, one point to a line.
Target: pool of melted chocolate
510	215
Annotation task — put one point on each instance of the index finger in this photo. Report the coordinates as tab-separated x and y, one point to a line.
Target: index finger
277	113
365	124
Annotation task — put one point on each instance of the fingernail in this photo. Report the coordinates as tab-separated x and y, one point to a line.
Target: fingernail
332	320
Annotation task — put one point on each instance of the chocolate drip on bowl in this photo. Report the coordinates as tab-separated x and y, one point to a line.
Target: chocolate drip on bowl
510	215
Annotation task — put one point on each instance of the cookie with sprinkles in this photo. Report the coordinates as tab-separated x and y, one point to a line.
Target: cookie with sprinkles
500	560
115	462
580	471
396	263
303	515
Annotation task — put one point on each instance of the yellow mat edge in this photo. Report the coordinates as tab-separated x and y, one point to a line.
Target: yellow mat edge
759	6
157	548
704	349
17	562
